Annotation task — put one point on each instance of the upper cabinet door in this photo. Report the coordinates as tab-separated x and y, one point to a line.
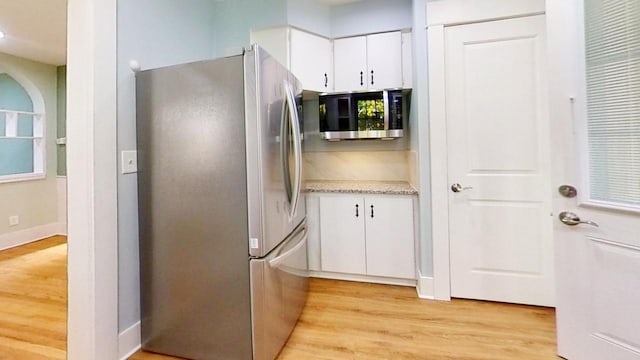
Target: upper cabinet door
351	63
407	61
312	60
384	60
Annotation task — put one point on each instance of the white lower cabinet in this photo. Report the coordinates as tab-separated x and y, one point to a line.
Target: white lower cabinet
362	235
342	235
389	237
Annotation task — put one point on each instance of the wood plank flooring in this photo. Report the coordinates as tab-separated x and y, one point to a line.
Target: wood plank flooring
342	320
349	320
33	300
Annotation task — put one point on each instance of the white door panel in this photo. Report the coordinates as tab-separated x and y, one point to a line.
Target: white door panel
498	147
598	268
599	286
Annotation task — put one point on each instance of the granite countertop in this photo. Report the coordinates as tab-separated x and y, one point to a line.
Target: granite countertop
360	187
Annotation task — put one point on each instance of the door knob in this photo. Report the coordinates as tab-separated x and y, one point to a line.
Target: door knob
571	219
458	188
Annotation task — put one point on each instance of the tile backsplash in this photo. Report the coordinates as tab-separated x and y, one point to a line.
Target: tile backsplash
357	165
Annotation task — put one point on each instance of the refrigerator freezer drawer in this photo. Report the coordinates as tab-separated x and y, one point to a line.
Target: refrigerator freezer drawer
279	291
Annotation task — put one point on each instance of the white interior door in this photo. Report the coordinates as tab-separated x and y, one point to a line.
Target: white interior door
595	109
500	224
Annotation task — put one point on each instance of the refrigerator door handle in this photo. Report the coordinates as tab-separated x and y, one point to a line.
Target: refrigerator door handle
295	126
284	145
275	262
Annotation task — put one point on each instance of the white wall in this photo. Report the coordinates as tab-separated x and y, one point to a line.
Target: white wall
370	16
310	15
155	33
34	201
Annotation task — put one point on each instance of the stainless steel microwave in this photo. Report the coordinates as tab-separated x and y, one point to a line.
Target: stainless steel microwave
363	115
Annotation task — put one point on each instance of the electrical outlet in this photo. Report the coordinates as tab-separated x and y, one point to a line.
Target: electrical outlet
14	220
129	162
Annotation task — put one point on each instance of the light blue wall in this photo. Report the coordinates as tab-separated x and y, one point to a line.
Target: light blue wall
155	33
34	201
16	155
370	16
234	19
310	15
420	126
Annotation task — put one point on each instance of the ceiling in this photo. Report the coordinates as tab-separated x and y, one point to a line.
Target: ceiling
35	29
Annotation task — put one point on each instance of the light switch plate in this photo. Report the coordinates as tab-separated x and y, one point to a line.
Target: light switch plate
129	161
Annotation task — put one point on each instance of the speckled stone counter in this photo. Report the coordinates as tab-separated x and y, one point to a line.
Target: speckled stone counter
360	187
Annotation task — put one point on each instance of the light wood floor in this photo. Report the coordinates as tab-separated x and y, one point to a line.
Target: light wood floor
342	320
33	300
348	320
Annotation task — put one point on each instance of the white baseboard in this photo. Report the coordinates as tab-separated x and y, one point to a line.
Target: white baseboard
129	341
425	287
26	236
61	228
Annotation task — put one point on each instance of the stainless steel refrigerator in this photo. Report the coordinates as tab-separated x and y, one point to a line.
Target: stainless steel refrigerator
223	254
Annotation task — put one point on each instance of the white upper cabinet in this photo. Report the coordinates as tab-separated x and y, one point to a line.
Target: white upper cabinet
384	60
407	60
368	62
350	60
312	60
309	57
371	62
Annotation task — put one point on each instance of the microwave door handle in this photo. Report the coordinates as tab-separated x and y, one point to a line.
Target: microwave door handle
295	127
284	141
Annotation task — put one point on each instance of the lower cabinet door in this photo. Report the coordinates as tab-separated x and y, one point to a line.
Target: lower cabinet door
342	234
390	245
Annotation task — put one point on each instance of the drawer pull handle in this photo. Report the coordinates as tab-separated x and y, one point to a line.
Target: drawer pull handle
361	79
357	214
371	210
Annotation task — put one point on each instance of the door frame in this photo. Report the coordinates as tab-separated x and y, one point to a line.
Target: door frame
441	14
92	327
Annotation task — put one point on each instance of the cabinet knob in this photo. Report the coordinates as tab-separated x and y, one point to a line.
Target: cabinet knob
361	78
